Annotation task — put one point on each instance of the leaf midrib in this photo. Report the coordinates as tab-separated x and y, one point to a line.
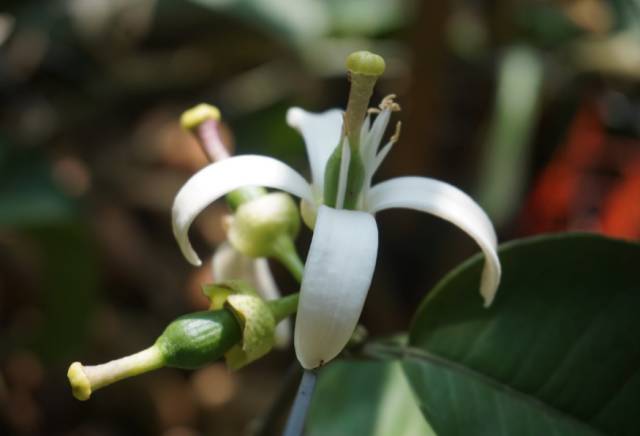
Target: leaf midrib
386	351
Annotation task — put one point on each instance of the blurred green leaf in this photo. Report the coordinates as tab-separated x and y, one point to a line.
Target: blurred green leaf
506	159
557	353
368	17
298	19
28	194
365	398
69	283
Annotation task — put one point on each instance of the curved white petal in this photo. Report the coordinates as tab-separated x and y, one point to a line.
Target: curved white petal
336	280
449	203
220	178
321	133
229	264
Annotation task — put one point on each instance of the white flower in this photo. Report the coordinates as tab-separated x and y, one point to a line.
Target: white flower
342	256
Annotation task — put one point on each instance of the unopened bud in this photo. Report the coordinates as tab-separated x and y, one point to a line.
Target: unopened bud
260	225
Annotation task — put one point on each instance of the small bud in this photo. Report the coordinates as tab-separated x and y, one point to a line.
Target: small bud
244	195
366	63
195	116
259	226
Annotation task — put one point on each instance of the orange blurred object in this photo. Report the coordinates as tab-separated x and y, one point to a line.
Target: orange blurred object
591	184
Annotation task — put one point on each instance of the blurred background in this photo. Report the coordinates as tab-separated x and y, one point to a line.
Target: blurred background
531	106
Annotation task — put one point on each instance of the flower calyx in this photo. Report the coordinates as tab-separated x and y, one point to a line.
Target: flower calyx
253	314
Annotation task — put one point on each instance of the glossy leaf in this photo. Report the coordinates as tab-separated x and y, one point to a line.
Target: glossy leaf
365	398
557	353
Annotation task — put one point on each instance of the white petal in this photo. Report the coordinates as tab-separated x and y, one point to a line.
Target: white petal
336	280
321	133
267	287
229	264
220	178
449	203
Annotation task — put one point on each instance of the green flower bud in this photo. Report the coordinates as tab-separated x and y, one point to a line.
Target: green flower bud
261	225
244	195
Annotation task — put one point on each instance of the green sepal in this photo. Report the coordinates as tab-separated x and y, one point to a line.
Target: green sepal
254	315
355	179
217	293
258	329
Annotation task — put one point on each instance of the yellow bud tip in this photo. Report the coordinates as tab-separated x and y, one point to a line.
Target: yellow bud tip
80	385
195	116
366	63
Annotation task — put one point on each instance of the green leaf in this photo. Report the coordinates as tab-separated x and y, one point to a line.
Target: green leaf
294	20
365	398
557	353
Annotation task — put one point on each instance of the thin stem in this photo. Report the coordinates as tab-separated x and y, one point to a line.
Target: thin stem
266	426
284	307
285	252
300	408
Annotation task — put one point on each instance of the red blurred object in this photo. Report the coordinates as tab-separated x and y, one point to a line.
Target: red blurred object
591	184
